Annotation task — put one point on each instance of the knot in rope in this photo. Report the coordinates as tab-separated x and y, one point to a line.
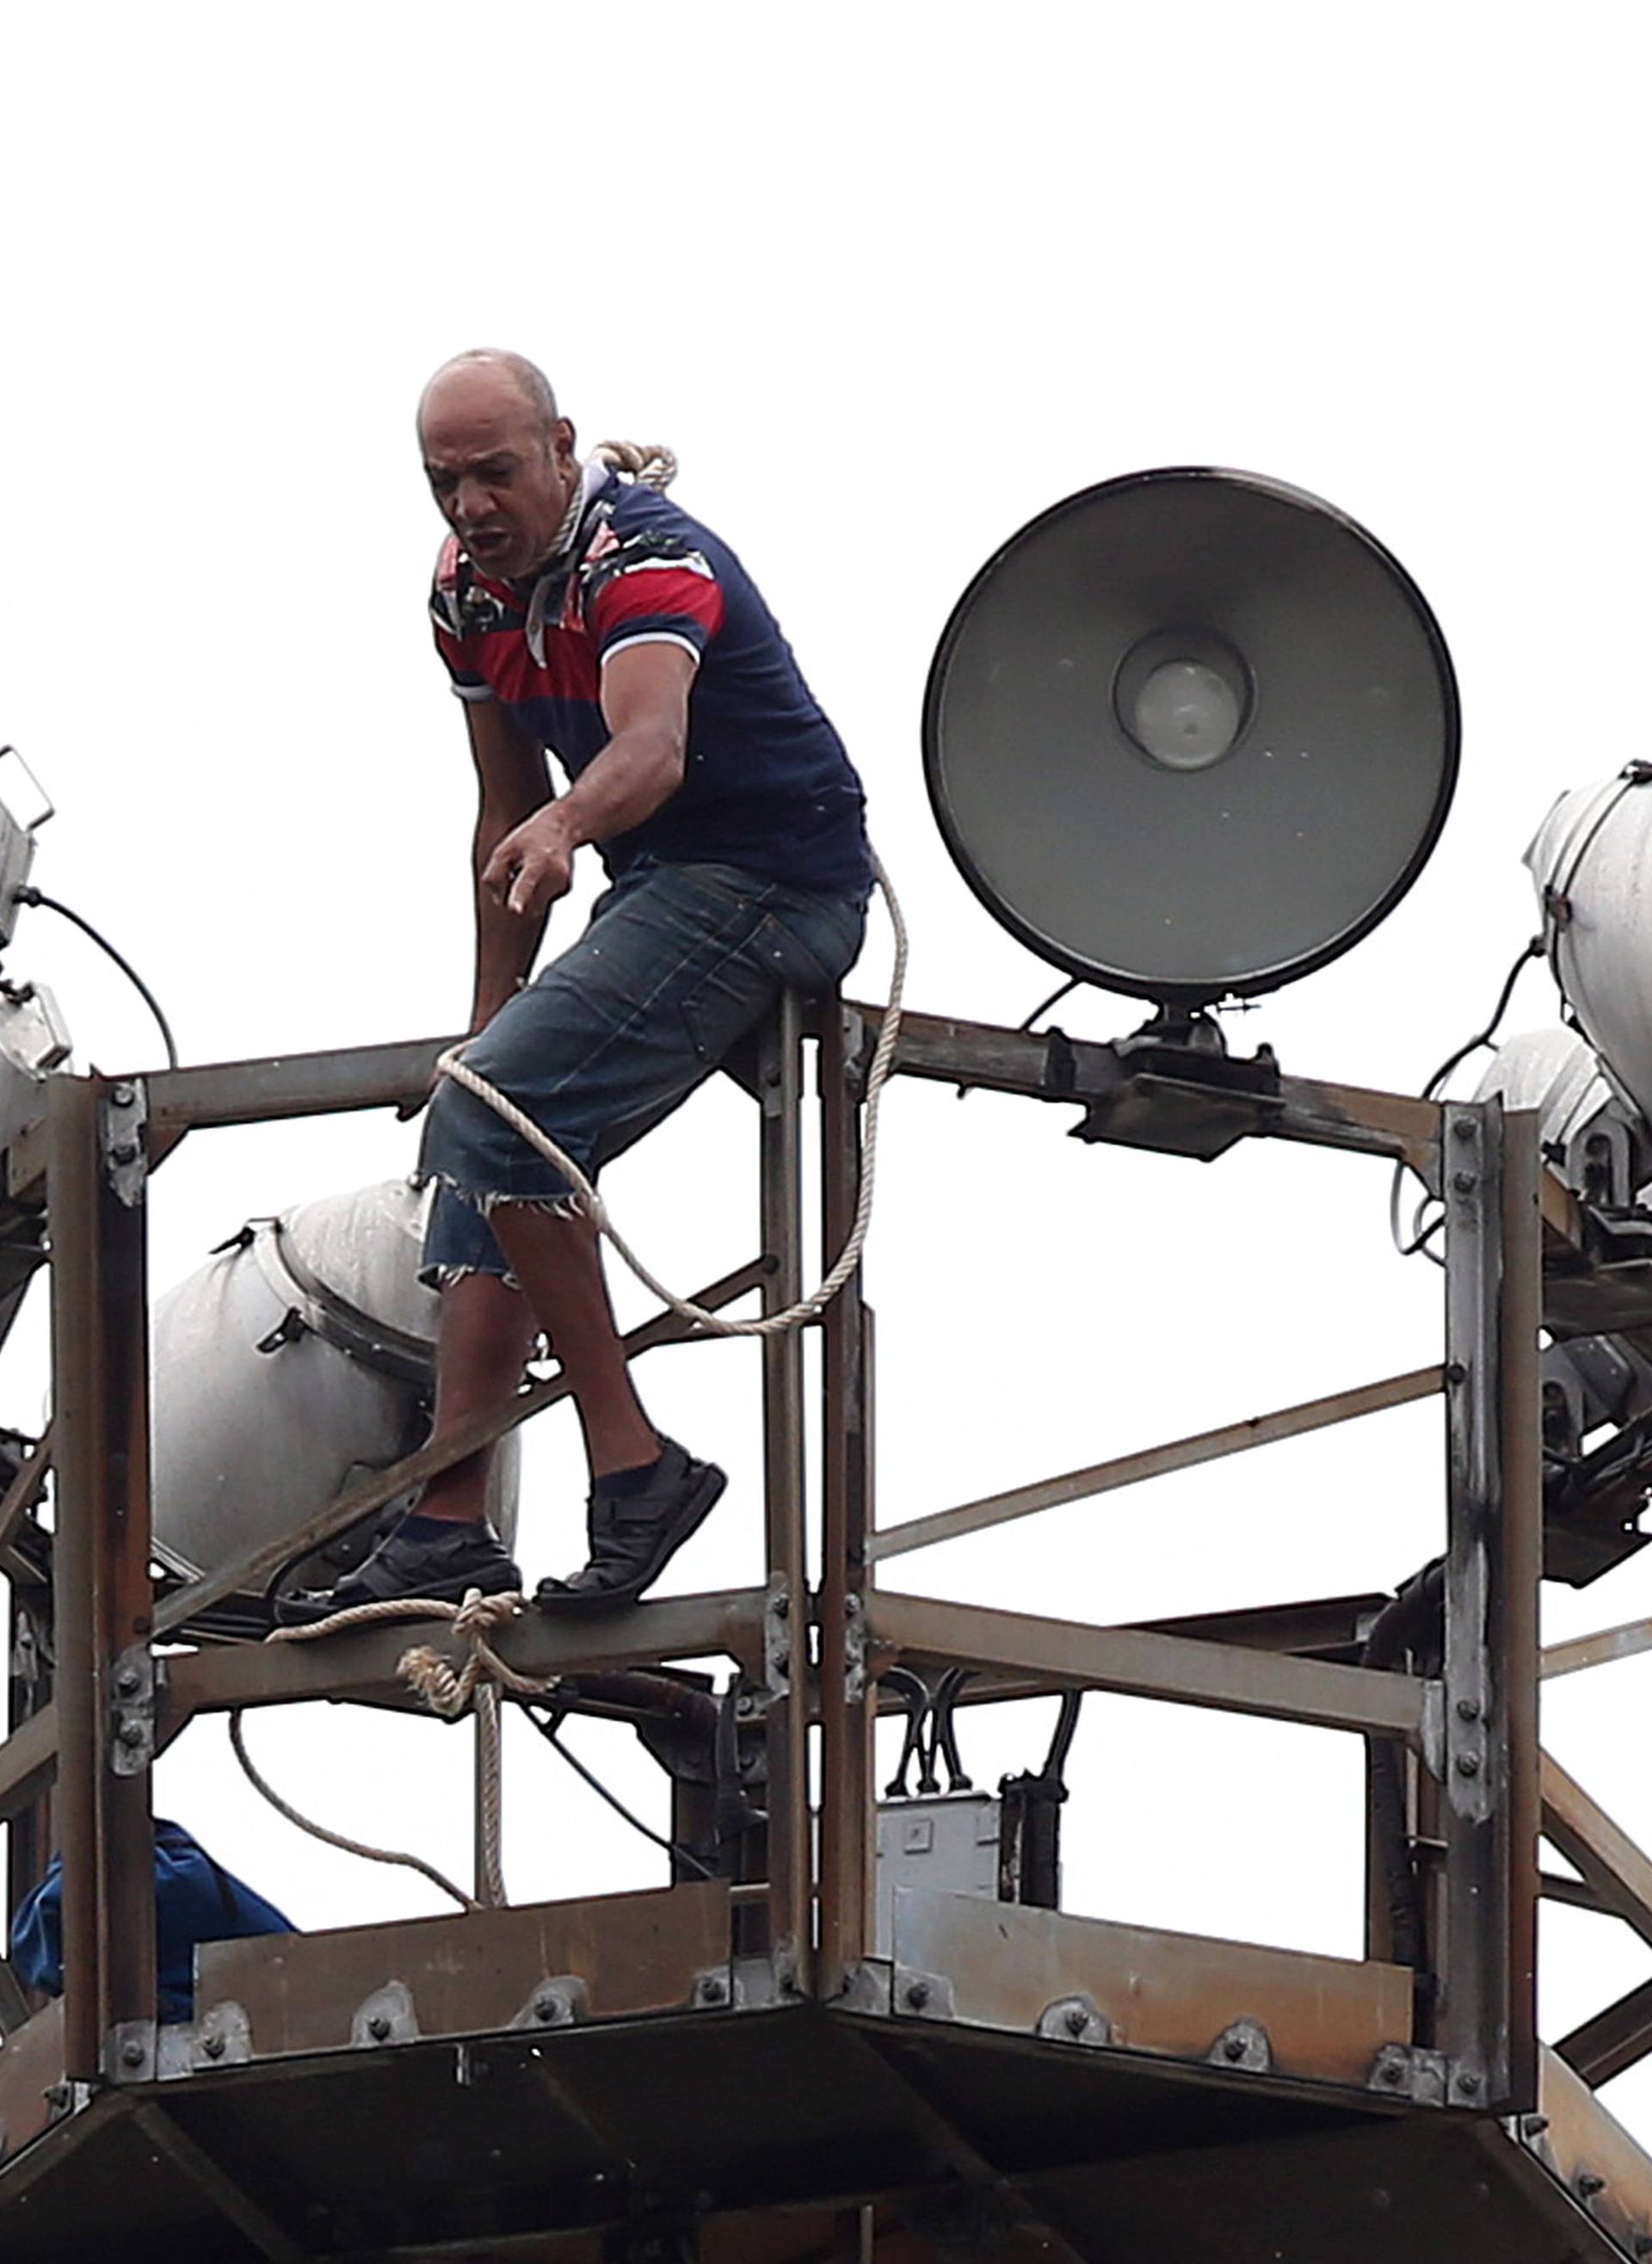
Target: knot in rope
432	1678
446	1692
649	462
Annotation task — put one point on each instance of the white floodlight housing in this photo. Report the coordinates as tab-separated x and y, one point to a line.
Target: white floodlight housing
1593	864
1596	1139
1191	734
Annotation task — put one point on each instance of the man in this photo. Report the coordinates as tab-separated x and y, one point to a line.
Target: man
583	614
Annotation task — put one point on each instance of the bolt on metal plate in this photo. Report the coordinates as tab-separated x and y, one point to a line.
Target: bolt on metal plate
558	2001
124	1113
386	2017
1244	2044
222	2036
1076	2020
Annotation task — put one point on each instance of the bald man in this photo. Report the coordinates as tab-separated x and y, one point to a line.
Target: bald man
581	614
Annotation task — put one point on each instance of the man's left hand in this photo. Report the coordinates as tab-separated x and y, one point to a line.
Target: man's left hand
533	865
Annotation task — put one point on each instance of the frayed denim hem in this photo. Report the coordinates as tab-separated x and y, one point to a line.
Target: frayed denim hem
571	1204
443	1277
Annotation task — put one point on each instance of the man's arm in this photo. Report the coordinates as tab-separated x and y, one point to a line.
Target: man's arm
645	691
514	781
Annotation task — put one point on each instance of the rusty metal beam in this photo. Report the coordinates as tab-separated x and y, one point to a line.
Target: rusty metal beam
1066	1655
292	1084
1155	1461
102	1586
846	1697
231	2201
360	1663
780	1196
1598	1649
1612	2040
1619	1873
251	1571
1485	1949
28	1761
24	1490
1020	1061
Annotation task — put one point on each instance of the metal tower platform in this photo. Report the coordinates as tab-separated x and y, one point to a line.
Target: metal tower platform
737	2067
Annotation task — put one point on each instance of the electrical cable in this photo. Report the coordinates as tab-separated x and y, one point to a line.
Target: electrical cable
1043	1007
1420	1236
546	1729
33	896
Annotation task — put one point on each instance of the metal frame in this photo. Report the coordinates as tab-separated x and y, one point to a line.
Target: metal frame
811	1650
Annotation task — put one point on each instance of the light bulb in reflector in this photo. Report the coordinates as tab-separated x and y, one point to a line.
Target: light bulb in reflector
1186	715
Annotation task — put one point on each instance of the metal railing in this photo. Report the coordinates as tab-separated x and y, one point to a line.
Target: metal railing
78	1769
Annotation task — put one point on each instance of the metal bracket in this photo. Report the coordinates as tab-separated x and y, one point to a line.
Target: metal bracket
868	1987
68	2098
132	1726
1431	1742
776	1636
1244	2044
559	2001
1076	2020
787	1967
717	1988
928	1994
854	1647
752	1982
175	2051
130	2055
124	1114
224	2036
1408	2072
386	2017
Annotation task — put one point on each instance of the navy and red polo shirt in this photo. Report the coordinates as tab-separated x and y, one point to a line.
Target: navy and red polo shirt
766	785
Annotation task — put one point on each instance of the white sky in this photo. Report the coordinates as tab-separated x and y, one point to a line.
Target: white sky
890	281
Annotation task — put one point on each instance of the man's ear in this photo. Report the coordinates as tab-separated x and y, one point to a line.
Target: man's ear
562	438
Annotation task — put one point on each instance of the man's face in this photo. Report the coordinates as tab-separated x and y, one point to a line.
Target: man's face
501	482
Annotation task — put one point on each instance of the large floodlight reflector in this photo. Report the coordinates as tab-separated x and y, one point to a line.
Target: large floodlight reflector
1191	733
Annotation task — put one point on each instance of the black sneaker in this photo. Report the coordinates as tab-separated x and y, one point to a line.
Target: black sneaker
445	1568
633	1536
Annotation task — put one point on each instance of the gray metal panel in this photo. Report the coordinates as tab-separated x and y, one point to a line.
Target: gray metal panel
1006	1967
939	1843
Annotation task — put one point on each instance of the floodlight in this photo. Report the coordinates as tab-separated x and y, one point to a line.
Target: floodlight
1592	863
1191	734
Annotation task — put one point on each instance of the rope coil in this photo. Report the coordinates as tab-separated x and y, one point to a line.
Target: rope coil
445	1692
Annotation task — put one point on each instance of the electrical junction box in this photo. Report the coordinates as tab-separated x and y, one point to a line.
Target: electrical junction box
943	1843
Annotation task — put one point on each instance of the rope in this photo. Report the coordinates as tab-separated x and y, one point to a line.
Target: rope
650	463
434	1680
337	1839
807	1308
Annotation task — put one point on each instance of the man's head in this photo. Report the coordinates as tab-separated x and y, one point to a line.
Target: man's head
499	459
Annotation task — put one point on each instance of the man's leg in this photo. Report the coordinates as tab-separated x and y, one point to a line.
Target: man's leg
647	1493
484	1335
556	1260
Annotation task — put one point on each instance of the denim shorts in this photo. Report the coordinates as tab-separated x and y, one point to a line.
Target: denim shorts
678	964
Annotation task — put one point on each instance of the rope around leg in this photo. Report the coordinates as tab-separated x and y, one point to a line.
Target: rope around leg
807	1308
445	1693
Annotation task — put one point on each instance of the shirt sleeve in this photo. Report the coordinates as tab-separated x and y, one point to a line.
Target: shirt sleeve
459	653
653	600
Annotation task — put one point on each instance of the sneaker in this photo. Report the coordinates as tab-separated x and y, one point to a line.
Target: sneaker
633	1536
446	1567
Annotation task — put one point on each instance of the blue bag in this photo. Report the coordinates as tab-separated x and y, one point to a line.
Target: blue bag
195	1900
